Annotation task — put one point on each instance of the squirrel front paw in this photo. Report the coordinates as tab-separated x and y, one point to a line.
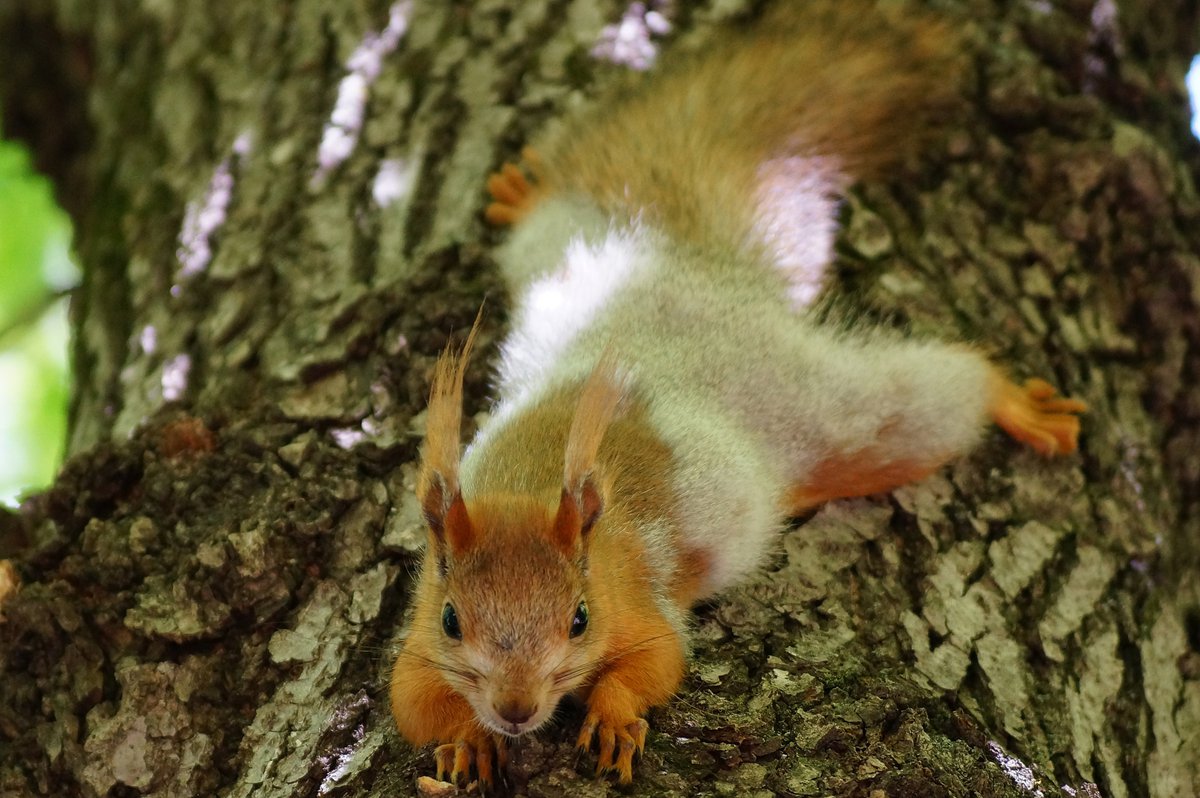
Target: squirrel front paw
619	738
486	752
1034	414
514	194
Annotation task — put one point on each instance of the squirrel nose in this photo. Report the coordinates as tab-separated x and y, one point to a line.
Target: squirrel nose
515	710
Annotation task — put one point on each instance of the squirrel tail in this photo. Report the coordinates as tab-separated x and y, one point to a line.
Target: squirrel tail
824	91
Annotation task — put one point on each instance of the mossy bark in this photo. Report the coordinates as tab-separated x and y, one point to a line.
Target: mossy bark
211	586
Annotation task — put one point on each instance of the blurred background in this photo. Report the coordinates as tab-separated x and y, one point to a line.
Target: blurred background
36	274
1193	83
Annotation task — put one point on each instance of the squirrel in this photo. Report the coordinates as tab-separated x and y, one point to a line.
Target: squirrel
665	403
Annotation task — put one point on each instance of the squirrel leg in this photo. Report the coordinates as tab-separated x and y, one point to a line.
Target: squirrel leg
1035	415
860	473
427	710
900	452
627	687
514	195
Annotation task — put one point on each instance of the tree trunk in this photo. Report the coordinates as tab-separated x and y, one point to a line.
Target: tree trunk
211	586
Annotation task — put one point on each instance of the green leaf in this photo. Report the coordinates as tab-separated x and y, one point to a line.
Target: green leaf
30	223
34	233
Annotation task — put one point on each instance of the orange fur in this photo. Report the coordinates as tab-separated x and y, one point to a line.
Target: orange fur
692	576
427	709
581	500
437	483
443	417
643	656
594	411
863	473
424	706
457	527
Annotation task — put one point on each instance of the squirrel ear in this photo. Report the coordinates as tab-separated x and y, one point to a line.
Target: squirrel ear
577	514
450	529
581	502
437	485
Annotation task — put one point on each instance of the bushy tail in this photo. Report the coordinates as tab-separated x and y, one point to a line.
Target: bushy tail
834	90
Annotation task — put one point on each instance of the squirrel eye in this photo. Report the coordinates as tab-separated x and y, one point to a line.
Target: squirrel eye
580	621
450	623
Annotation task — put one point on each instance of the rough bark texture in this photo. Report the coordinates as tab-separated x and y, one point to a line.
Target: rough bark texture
211	585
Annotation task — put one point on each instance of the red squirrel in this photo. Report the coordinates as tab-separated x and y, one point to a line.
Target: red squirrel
664	401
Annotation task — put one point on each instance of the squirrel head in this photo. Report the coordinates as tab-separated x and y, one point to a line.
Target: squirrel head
516	620
517	623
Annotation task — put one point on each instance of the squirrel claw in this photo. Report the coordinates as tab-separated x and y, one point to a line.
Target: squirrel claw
514	194
617	744
485	752
1034	414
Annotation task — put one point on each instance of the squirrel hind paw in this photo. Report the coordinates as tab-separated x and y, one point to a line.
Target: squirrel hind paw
617	744
1036	415
514	194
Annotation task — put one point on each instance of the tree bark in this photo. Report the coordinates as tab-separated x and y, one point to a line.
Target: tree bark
211	586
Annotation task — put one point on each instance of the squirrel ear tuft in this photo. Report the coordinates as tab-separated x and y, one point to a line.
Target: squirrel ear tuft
582	502
598	400
437	486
